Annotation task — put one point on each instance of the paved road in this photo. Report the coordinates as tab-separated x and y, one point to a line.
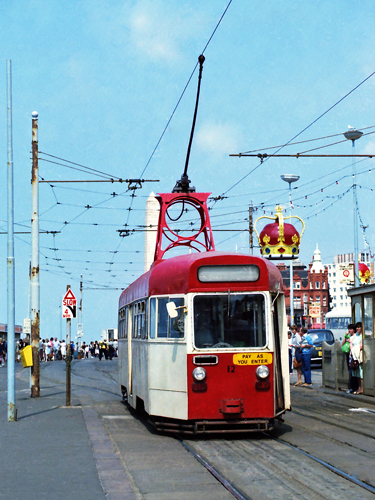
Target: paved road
95	449
100	449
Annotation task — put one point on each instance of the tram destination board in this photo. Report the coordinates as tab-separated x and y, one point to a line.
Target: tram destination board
69	305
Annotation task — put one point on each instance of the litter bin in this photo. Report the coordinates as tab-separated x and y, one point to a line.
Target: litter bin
27	356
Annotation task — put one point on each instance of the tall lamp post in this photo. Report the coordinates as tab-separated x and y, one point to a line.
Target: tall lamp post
353	135
290	178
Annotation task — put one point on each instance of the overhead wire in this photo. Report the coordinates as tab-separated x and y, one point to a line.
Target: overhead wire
87	169
301	132
184	90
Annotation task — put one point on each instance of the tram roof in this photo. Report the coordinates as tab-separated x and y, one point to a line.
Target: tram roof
179	275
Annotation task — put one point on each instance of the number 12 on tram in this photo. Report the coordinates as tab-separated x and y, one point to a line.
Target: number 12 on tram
202	344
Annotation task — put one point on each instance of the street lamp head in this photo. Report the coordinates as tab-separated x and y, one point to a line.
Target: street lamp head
289	178
352	134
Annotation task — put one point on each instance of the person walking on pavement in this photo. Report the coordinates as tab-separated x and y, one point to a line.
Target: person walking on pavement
1	353
356	355
63	349
296	341
353	383
290	352
306	345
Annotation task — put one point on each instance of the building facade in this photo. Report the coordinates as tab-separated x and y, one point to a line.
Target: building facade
310	292
339	291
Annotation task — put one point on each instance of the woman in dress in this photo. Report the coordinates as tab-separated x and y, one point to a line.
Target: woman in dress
356	354
296	341
47	350
63	349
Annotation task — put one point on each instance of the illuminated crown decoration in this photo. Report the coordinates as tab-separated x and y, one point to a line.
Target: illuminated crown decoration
364	273
168	237
279	240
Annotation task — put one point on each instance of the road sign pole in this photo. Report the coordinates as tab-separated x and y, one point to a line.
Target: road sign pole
68	359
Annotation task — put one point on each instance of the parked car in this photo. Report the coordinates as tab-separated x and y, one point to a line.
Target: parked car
318	337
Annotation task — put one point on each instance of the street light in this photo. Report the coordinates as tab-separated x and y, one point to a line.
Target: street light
353	135
289	178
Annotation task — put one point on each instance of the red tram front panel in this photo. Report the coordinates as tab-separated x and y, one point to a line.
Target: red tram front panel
231	388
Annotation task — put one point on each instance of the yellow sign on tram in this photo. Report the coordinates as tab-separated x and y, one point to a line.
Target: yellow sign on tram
252	358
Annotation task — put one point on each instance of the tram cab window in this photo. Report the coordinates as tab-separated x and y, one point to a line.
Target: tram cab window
230	320
172	328
176	325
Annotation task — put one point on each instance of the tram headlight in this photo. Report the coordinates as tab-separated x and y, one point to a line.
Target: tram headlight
262	372
199	374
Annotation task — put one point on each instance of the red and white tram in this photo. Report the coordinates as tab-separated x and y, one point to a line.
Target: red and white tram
222	362
203	337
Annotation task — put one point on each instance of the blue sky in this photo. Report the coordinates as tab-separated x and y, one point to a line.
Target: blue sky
105	78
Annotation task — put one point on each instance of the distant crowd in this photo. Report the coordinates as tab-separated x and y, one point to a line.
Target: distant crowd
55	350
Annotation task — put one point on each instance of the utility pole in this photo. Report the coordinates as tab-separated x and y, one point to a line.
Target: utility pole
79	325
251	228
12	412
35	290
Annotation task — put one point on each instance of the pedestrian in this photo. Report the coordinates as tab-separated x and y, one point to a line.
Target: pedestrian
290	352
5	349
111	351
18	356
63	349
297	361
52	352
1	353
353	383
47	350
41	348
356	357
56	347
306	346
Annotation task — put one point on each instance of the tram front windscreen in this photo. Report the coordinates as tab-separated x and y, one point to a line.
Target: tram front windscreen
230	320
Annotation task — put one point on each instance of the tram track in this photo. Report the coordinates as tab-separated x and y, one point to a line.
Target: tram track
334	423
236	492
330	467
244	451
345	417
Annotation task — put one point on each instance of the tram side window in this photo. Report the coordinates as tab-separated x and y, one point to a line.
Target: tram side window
122	323
152	318
139	320
172	328
163	318
176	325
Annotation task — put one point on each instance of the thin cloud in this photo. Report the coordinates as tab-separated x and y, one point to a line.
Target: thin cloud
218	138
159	31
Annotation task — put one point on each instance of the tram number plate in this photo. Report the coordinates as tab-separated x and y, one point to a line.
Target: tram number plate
252	358
319	353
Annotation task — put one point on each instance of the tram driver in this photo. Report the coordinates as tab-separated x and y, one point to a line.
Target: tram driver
204	328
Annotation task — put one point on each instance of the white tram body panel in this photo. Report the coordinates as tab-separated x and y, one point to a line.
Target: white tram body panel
167	381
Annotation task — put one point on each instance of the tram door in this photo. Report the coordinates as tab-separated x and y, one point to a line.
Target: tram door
279	388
